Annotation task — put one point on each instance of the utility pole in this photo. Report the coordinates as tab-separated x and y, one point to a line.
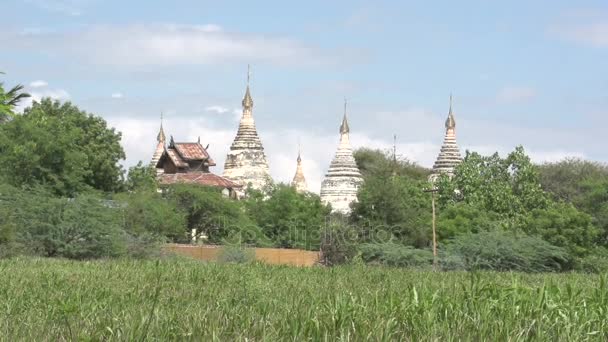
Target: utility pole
435	259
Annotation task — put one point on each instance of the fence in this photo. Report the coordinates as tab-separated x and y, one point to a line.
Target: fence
276	256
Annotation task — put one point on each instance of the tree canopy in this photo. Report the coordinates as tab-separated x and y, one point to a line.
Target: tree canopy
60	146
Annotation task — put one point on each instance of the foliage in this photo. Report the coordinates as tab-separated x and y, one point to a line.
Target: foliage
288	218
505	251
81	228
585	185
338	242
509	187
147	212
392	254
562	225
213	214
106	300
10	99
382	163
141	177
392	204
462	218
61	147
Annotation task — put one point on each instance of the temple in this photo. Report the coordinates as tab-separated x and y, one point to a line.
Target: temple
449	155
189	163
299	182
342	181
246	162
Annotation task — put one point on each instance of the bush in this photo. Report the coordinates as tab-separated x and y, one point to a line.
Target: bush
392	254
595	262
505	251
146	212
85	227
338	243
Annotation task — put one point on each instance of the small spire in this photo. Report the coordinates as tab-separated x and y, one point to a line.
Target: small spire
247	100
199	139
450	122
161	133
299	157
344	129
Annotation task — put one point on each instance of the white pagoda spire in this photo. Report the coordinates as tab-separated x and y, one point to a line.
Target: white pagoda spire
449	156
342	181
299	181
246	162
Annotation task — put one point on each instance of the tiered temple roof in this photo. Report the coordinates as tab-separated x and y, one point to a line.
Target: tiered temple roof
189	162
299	182
342	181
449	155
246	162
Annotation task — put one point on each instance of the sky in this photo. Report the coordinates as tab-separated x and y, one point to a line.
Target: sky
531	73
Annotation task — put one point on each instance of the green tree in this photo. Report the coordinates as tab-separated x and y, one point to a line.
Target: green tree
10	99
141	177
392	203
290	219
509	187
61	147
222	219
374	162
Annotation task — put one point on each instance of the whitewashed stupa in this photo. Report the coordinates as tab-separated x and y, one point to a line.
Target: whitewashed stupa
449	156
343	179
246	162
299	181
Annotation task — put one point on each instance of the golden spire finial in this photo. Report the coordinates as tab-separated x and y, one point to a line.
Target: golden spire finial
450	122
247	100
161	133
344	126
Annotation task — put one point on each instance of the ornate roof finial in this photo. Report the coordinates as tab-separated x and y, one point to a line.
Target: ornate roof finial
450	123
161	133
344	129
247	100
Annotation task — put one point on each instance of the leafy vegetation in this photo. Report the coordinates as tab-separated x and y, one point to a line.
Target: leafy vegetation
62	148
50	299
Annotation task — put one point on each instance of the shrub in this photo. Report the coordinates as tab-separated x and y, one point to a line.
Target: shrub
392	254
338	242
146	212
505	251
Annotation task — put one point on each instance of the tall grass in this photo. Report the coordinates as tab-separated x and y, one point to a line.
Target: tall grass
55	300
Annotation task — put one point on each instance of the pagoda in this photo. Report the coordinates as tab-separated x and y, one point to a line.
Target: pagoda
449	155
299	182
343	179
246	162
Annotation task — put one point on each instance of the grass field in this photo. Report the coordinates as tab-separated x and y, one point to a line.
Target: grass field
175	299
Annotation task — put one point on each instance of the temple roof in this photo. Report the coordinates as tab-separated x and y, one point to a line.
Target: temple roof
197	177
181	153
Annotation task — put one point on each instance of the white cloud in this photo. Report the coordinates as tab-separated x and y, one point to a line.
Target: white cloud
516	94
117	95
38	84
39	90
216	109
584	27
172	44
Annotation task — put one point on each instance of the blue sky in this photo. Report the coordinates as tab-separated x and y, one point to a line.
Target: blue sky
522	72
